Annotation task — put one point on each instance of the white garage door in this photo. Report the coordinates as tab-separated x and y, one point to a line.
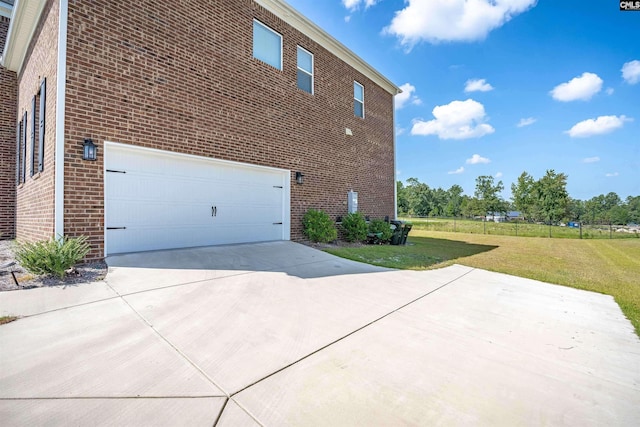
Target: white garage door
160	200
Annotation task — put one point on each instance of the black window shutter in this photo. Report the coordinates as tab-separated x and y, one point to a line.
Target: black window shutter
18	140
24	147
43	103
33	137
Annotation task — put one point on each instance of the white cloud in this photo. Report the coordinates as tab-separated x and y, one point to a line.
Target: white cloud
407	96
457	171
477	85
456	120
400	131
477	159
347	19
499	175
452	20
612	174
526	122
631	72
609	91
355	4
591	160
599	126
579	88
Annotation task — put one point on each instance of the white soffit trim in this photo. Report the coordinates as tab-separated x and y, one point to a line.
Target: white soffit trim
24	20
61	88
298	21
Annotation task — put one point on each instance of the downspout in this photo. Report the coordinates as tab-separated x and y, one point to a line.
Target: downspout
61	87
395	164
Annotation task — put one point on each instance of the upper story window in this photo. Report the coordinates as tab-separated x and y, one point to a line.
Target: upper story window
305	70
358	99
267	45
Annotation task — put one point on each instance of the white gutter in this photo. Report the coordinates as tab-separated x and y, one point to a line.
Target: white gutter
395	164
61	88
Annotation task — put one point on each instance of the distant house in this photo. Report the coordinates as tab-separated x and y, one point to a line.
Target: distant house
514	215
500	217
204	123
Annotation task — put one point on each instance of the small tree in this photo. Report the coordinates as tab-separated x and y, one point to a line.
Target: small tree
318	227
354	227
380	226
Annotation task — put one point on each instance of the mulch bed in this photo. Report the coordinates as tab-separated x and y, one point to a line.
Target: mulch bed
84	273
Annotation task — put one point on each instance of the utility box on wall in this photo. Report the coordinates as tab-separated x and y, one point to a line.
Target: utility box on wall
352	201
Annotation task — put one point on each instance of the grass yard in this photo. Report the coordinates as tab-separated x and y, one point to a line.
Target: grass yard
610	267
522	229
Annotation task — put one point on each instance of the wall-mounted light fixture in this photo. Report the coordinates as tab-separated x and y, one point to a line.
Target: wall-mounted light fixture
89	150
299	178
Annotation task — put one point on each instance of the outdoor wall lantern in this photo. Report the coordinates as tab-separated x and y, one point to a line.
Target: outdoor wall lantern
299	178
90	151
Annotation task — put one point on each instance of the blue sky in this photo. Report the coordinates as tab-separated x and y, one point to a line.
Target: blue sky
498	87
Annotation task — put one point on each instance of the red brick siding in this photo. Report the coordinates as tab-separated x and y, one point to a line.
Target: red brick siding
181	77
35	197
8	103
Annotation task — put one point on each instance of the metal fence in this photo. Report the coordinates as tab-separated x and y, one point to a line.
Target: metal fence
573	230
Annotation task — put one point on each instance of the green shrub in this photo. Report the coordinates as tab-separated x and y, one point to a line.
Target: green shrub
354	227
318	227
53	256
383	227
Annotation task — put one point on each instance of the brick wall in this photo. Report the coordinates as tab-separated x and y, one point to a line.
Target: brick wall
35	197
8	102
181	77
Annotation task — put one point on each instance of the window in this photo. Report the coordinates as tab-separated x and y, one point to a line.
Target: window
41	123
305	70
358	99
36	161
22	149
267	45
32	142
18	152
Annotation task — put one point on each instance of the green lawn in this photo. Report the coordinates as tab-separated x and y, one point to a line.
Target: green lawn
519	228
610	267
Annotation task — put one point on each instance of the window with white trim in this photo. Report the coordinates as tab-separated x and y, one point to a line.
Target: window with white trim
267	45
36	161
358	99
305	70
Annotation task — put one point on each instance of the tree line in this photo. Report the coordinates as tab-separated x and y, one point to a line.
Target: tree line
543	200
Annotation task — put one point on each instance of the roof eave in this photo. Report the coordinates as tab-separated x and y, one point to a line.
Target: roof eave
298	21
25	16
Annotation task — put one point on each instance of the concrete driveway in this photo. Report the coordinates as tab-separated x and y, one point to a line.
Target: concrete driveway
279	334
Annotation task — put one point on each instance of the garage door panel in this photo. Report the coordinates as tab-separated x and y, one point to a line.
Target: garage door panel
159	213
240	215
164	200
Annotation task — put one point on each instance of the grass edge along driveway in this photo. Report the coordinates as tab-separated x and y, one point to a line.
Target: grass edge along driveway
609	267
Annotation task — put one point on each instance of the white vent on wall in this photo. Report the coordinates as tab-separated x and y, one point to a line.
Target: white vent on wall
352	201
